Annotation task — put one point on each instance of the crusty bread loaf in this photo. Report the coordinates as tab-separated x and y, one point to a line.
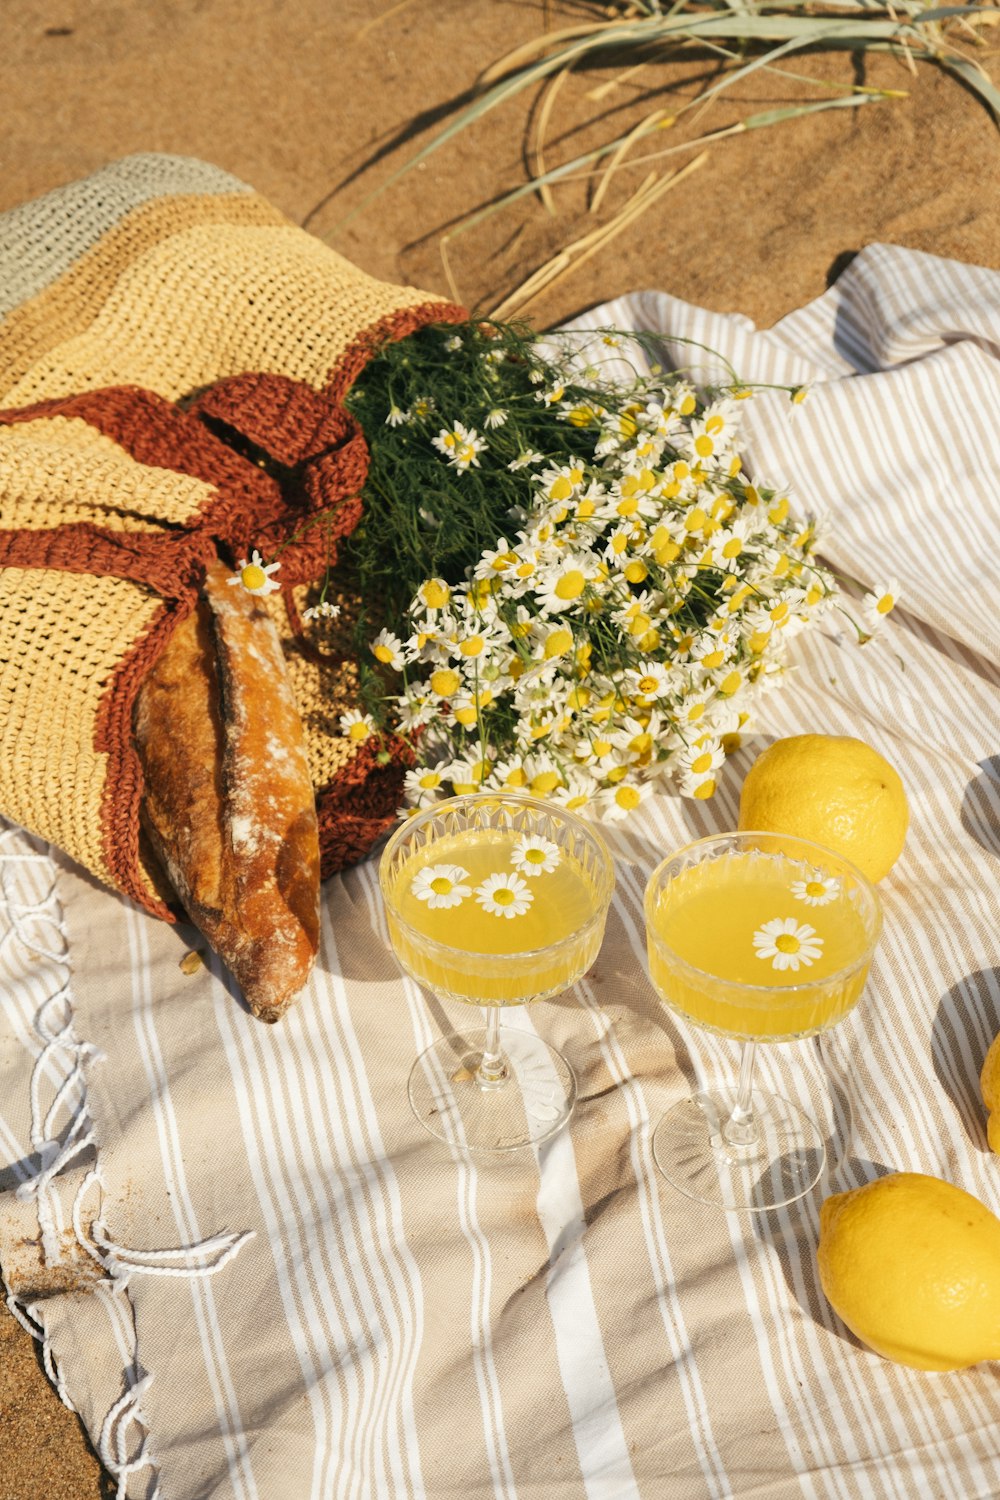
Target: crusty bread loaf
228	803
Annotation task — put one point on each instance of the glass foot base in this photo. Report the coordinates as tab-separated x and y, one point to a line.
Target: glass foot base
534	1102
783	1164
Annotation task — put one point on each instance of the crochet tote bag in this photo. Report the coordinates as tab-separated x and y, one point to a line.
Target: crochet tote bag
173	360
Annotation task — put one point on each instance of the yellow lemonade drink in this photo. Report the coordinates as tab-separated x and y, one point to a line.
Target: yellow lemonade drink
760	945
495	917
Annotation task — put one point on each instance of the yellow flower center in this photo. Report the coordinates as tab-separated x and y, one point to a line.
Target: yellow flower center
517	777
815	888
571	585
473	646
435	594
383	653
787	942
503	895
558	643
885	604
733	547
441	885
703	446
628	797
444	682
705	789
702	763
253	577
545	782
429	780
636	571
358	731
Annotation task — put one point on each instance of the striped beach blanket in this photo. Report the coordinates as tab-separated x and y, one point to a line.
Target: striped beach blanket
255	1276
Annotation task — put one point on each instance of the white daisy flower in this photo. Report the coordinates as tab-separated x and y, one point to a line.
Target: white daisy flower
356	726
883	598
819	890
619	801
650	679
787	943
504	895
577	793
441	885
460	445
255	575
534	855
422	781
728	545
324	610
498	559
701	760
561	586
422	408
524	458
453	343
396	416
434	594
496	417
388	649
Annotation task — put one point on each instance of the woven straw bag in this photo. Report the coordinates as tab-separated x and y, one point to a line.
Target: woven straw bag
173	360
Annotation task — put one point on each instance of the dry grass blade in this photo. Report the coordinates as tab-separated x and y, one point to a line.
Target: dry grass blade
643	128
575	255
524	54
854	26
544	114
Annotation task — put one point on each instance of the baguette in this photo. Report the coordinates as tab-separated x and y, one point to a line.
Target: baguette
228	804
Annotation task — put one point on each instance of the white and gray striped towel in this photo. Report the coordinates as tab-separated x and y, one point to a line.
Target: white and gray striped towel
407	1322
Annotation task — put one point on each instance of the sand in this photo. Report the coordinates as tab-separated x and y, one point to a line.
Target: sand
313	102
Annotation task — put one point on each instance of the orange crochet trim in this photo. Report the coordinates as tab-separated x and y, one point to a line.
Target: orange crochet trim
322	459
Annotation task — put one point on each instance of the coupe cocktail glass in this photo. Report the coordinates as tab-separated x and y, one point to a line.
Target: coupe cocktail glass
764	938
495	900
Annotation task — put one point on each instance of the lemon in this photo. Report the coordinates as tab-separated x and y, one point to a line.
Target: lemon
912	1265
832	789
989	1082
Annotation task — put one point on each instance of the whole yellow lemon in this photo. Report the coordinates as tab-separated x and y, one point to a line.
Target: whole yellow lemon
989	1082
832	789
912	1265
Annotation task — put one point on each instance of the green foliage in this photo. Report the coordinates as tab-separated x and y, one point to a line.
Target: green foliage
424	518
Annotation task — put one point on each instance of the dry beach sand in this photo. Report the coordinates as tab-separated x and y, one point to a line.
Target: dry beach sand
311	101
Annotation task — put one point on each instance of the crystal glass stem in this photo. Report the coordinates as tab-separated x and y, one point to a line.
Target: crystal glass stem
741	1127
492	1072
